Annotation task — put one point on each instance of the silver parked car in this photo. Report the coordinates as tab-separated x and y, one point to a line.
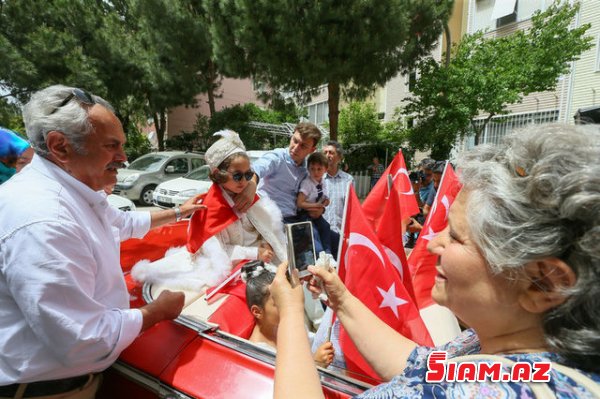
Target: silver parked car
140	178
177	191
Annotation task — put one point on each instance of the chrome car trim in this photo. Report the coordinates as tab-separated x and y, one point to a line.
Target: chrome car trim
211	332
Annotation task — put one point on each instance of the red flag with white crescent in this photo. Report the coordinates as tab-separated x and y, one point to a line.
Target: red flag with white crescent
389	231
420	262
369	276
205	223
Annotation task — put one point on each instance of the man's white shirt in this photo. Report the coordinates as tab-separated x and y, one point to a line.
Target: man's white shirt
64	306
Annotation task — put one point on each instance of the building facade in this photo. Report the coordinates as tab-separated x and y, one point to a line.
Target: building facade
575	90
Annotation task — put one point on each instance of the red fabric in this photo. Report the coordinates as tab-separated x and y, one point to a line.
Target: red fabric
389	232
379	194
233	315
154	245
420	261
205	223
369	275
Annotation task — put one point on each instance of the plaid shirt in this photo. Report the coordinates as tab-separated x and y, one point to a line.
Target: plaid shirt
338	187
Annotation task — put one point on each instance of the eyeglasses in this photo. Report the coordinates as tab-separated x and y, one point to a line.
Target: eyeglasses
238	176
80	95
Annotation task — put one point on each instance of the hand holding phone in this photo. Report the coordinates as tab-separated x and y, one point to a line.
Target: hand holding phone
301	247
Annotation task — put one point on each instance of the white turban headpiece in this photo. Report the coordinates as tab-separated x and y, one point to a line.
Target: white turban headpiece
227	145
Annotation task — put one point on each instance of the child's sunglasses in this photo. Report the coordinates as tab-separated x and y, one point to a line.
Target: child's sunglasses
238	176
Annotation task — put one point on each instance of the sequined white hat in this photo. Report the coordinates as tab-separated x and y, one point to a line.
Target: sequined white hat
227	145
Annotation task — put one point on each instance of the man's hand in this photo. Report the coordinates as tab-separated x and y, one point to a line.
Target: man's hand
243	201
414	226
192	205
167	306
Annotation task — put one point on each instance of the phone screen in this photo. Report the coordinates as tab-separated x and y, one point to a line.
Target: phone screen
302	243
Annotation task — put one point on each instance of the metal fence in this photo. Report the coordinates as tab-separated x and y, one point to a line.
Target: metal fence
502	125
362	183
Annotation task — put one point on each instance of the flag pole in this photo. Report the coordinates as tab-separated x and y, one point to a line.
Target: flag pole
343	223
339	254
223	284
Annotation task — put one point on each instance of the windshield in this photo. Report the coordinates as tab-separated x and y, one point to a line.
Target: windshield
199	174
149	163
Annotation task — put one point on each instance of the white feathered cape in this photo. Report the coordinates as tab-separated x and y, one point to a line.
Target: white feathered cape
211	264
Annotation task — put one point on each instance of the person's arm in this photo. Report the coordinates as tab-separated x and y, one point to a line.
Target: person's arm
383	348
316	213
296	375
303	204
165	216
55	282
167	306
264	166
429	201
243	201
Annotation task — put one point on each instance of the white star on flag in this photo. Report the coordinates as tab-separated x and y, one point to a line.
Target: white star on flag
430	234
390	300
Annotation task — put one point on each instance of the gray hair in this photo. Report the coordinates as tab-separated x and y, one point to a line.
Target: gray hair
70	119
535	196
337	146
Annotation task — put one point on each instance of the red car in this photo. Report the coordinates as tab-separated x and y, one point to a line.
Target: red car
194	357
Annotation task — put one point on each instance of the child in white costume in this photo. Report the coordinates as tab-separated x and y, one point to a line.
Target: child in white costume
254	235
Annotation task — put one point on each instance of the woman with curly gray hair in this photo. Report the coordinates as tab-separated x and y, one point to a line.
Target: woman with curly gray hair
519	264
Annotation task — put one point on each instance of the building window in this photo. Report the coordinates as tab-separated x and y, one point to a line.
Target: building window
505	12
318	113
412	80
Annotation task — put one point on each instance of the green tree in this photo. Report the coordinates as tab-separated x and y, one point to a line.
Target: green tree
237	118
299	45
487	74
359	124
143	56
364	136
10	117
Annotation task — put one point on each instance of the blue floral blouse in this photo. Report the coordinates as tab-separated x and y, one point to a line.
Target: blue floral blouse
411	383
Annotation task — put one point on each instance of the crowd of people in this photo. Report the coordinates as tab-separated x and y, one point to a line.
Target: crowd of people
518	263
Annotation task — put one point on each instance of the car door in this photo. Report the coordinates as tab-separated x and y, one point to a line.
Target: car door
176	167
196	163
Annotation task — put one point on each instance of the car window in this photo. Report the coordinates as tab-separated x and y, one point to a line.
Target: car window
148	163
199	174
180	165
197	162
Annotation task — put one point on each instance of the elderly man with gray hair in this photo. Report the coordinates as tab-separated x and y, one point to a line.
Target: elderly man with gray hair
337	183
64	304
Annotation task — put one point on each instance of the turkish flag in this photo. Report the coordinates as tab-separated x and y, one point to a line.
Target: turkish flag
372	205
420	261
154	244
370	276
205	223
389	232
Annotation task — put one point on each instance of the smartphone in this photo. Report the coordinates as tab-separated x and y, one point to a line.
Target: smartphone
301	247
